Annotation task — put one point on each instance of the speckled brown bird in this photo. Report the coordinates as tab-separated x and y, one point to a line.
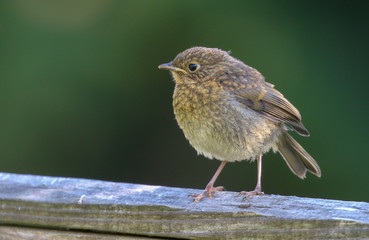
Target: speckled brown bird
229	112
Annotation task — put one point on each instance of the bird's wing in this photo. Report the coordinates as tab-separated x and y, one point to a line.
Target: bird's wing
263	98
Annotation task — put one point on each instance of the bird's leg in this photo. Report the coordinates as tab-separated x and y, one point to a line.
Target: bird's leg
257	190
210	189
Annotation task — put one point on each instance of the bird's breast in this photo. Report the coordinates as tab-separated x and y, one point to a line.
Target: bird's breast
220	127
196	102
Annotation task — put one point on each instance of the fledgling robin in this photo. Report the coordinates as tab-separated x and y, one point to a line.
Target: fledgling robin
229	112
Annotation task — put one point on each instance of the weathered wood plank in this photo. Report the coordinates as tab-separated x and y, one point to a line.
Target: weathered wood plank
121	208
25	233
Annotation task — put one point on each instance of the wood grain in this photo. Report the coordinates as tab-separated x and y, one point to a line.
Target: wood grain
93	209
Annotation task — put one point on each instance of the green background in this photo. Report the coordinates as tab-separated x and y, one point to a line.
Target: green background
81	94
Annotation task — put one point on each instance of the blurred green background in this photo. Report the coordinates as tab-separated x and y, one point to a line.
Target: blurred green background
81	94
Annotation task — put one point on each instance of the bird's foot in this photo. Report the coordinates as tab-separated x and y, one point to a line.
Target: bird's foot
209	190
251	193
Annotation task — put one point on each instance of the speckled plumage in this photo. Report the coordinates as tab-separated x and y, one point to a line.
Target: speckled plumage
212	119
227	111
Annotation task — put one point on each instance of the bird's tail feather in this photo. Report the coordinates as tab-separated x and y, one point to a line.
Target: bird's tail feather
297	159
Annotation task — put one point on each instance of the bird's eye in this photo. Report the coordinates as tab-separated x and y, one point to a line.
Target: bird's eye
193	67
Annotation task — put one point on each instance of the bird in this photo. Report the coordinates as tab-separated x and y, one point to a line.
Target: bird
228	111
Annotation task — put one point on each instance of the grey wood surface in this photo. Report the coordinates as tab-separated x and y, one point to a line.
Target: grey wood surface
70	208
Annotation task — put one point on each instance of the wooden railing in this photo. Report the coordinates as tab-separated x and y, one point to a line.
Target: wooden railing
37	207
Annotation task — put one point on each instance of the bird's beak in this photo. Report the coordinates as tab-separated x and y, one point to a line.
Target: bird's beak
170	67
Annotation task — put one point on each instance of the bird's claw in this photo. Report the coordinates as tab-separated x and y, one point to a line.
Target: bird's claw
251	193
209	190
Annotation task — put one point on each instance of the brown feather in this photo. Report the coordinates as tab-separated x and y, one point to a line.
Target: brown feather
297	159
271	103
